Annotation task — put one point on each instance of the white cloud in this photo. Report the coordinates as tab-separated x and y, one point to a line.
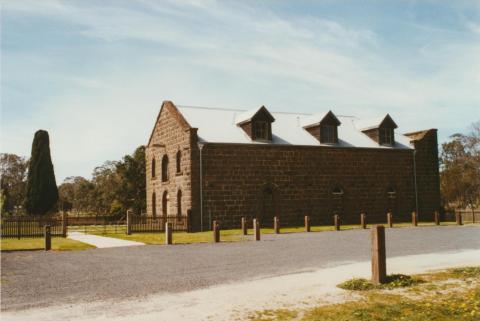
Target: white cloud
237	55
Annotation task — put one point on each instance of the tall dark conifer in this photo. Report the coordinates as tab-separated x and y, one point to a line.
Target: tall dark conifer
42	192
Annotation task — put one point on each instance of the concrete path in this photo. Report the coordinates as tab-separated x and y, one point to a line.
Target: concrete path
101	241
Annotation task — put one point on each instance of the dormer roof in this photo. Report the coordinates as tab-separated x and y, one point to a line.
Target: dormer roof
248	115
318	118
385	121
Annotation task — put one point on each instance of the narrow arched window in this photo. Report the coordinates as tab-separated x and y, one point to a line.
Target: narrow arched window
179	203
153	168
337	191
154	205
179	161
391	192
165	168
165	203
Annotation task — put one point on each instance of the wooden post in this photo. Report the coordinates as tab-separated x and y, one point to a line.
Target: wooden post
336	222
188	222
437	218
168	233
459	218
216	232
129	222
64	224
48	238
307	223
379	264
256	227
19	230
363	220
389	219
414	219
276	225
244	226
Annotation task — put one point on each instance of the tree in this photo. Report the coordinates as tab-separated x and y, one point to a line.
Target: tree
132	190
42	192
13	175
460	169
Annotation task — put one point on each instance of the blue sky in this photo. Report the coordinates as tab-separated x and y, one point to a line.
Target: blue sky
94	73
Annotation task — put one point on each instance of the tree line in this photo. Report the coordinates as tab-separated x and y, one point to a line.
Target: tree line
28	185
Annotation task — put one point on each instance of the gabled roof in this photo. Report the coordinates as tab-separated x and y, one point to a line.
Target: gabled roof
219	125
376	123
249	114
316	119
178	115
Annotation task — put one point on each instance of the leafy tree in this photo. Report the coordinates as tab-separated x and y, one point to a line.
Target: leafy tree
13	176
460	169
131	171
76	193
42	192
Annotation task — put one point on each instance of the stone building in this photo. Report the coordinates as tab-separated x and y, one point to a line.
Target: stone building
224	164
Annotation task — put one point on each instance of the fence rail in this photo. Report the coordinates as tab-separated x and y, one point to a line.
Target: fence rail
18	227
141	224
95	220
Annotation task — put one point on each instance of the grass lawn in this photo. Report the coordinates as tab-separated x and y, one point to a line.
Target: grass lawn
225	235
58	244
443	296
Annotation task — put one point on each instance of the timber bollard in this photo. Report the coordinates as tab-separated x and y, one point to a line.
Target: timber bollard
276	225
256	228
168	233
458	216
48	238
336	222
437	218
414	219
389	219
244	226
363	220
379	262
307	223
216	232
129	222
64	224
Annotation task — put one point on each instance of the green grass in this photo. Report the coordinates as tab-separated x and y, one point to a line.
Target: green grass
180	237
432	299
393	281
58	244
231	235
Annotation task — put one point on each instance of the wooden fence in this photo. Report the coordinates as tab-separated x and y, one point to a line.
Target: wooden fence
95	220
143	224
24	226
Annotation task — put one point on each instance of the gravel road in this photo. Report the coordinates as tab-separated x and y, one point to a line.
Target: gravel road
39	279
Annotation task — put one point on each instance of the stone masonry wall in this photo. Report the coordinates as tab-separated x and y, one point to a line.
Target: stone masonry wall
294	181
171	134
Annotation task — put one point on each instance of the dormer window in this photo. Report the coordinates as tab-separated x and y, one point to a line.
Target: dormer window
381	131
260	130
327	135
324	127
386	136
257	124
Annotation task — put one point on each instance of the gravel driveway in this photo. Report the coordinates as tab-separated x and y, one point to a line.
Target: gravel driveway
40	279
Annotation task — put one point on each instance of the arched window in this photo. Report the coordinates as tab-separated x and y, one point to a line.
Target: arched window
153	168
179	203
391	192
154	205
165	168
337	191
179	161
165	204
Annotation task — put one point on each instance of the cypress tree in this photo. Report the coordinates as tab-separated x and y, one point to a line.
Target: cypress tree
42	192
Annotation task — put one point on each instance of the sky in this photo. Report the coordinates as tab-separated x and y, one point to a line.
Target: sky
94	73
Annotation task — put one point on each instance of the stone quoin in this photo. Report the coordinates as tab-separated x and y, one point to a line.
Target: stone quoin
225	164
